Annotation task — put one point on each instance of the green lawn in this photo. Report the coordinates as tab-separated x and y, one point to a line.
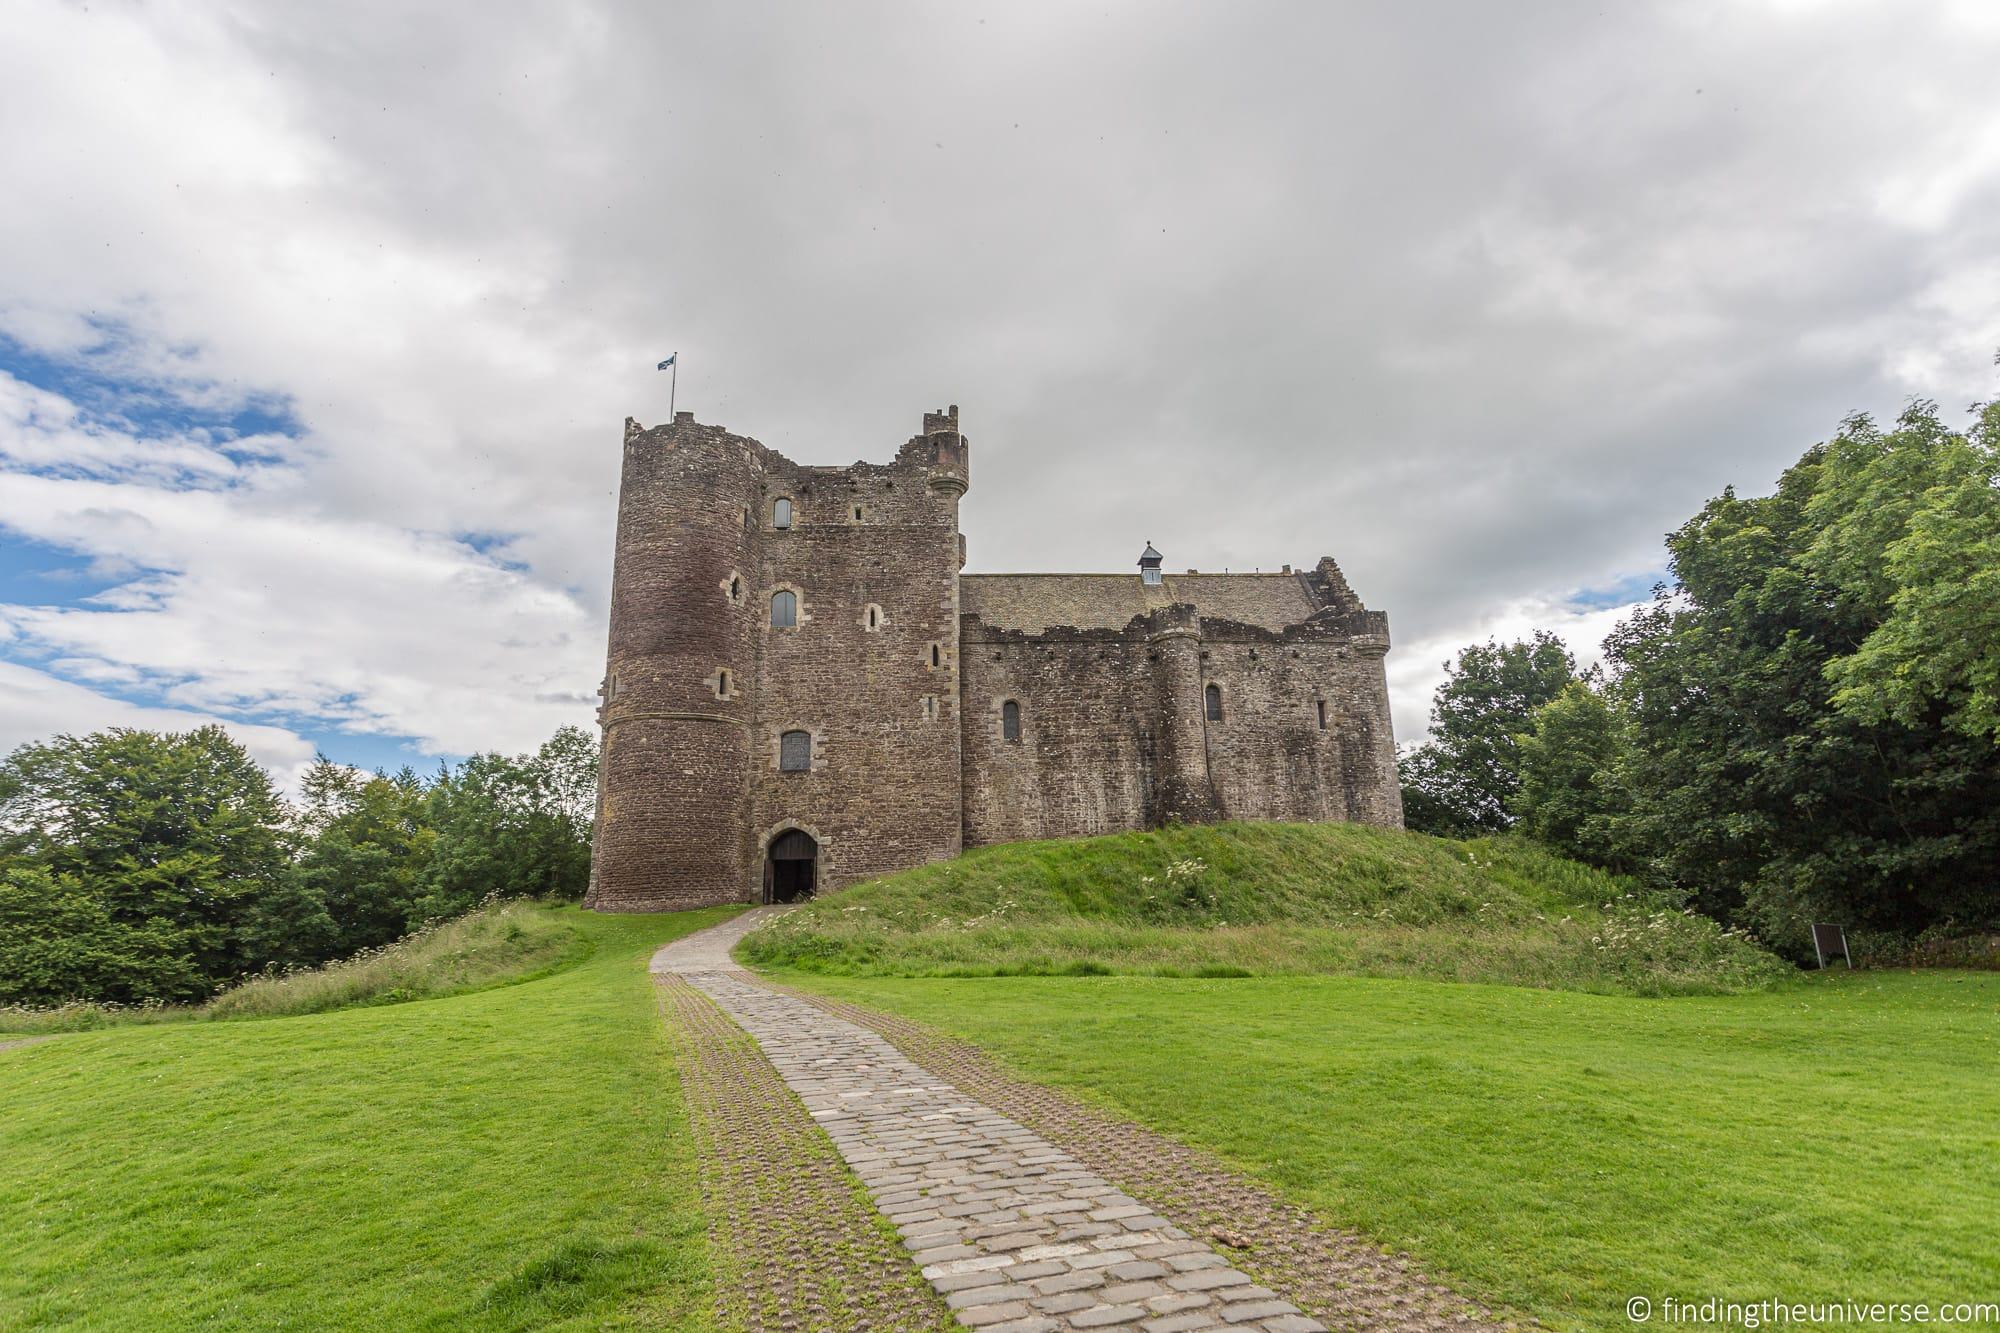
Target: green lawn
1558	1152
509	1159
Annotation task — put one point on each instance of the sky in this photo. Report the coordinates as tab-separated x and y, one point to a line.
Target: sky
318	324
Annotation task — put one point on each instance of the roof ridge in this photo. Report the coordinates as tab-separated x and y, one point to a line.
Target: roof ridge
1128	574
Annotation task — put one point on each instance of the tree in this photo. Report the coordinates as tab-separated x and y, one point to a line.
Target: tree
168	852
1910	528
1751	784
1572	795
1461	780
512	826
368	854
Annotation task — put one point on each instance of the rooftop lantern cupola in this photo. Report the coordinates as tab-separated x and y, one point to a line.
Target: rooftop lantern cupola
1149	566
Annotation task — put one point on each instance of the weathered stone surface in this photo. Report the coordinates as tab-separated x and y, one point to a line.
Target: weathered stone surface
899	669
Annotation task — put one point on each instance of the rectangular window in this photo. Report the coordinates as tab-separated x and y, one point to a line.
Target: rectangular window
795	752
1322	713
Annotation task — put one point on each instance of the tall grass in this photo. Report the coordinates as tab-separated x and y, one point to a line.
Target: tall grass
495	943
1242	899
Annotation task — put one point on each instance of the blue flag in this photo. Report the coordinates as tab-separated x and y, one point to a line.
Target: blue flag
668	362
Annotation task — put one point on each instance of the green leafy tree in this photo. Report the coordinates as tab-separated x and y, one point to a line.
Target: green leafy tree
368	852
1572	760
166	851
1910	530
1751	783
1462	779
512	826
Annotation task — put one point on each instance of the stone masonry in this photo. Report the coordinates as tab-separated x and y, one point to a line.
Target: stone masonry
1016	1234
803	690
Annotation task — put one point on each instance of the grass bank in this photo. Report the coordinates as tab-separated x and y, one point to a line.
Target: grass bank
515	1157
1252	899
1555	1152
500	943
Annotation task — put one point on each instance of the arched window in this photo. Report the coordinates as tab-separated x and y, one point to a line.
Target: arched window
784	609
1214	699
1010	721
795	752
781	514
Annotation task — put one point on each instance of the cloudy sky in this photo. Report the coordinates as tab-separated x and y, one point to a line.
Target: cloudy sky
318	323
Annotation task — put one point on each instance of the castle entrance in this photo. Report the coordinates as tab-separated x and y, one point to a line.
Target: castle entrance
790	867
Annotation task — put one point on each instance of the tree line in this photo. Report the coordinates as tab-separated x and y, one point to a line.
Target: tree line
1803	724
139	867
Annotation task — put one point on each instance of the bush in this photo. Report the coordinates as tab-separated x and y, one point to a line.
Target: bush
498	943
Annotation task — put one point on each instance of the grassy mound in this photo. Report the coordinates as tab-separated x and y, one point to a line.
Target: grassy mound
493	945
1244	899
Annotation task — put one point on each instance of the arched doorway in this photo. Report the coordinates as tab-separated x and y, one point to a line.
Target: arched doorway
791	867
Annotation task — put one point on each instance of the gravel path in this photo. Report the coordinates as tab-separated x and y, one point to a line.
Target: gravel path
1016	1234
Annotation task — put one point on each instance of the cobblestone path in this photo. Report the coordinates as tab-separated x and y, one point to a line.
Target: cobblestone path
798	1245
1335	1274
1017	1235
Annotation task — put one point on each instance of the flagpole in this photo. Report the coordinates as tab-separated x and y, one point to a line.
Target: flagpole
673	386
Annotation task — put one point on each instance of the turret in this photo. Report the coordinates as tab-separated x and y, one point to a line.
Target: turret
1183	791
679	675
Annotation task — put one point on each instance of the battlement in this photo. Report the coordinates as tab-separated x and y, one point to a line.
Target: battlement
942	423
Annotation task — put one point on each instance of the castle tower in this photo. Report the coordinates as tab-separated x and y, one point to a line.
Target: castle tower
781	704
1183	792
674	771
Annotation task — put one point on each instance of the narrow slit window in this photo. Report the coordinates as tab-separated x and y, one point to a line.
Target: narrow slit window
1214	697
1321	705
795	752
722	681
857	513
937	656
874	618
735	588
781	514
1010	721
784	610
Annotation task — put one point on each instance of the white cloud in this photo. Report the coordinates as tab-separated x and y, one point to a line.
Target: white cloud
1418	669
35	706
1476	315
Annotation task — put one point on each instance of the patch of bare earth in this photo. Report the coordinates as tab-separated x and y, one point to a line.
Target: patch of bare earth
9	1043
1334	1275
797	1245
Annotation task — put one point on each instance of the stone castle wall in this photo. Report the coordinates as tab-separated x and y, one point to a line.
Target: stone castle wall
900	678
1115	733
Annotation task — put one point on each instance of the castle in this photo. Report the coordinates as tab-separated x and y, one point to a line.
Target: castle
804	691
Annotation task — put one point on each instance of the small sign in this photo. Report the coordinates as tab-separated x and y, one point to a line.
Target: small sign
1829	941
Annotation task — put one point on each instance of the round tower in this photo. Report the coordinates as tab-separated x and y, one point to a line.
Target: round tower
673	778
1183	792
